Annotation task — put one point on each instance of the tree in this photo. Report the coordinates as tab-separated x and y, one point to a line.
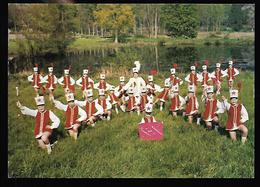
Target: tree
250	11
118	18
237	17
180	20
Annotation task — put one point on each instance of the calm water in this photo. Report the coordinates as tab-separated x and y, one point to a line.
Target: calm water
160	58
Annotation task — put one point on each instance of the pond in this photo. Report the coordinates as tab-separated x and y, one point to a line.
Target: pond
160	58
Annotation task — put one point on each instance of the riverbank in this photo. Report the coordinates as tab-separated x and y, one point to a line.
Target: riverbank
203	38
112	148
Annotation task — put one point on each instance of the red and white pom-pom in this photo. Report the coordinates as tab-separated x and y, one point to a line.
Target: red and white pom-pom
175	65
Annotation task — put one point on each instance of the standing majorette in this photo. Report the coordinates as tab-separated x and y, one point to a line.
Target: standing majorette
173	79
216	76
192	105
43	117
164	95
237	116
51	82
136	82
106	105
212	107
192	78
231	72
102	84
121	93
152	88
205	77
72	112
148	118
93	109
85	82
144	99
69	82
132	102
177	101
113	98
36	80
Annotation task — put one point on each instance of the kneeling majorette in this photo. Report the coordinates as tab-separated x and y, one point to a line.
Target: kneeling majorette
164	95
177	102
132	102
43	129
148	117
106	105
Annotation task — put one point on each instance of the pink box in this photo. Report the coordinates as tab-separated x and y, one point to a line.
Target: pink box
151	131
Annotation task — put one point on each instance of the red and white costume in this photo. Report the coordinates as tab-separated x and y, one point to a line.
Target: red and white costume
237	113
72	114
173	79
67	81
102	84
50	79
193	78
92	108
177	101
85	82
212	108
192	105
217	74
231	72
36	80
148	118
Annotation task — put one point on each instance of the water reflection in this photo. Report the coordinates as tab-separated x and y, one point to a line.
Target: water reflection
152	57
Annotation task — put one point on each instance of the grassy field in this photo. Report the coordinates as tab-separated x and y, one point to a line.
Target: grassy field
112	149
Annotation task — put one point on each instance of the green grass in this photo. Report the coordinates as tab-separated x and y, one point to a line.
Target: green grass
112	149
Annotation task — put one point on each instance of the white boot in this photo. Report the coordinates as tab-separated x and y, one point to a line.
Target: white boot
108	118
243	139
122	108
48	148
198	121
116	110
161	108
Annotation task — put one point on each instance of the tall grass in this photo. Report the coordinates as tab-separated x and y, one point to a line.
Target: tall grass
113	149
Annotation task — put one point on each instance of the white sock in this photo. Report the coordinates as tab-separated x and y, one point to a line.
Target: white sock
116	110
243	139
198	121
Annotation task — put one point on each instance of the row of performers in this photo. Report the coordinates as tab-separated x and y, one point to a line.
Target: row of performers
137	82
101	109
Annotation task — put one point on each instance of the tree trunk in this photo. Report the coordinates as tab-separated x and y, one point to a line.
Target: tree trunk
102	32
116	36
97	30
156	58
89	30
155	23
93	30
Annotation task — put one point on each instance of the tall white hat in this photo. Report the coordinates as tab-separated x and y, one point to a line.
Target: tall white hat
135	70
85	71
210	89
89	93
192	68
173	70
218	65
39	100
204	67
69	97
35	69
50	69
233	93
102	76
230	62
66	71
191	88
148	108
101	92
122	79
150	78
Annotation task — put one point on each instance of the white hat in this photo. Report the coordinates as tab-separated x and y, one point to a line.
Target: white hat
192	68
176	88
122	79
148	107
85	71
230	62
136	62
191	88
150	78
172	70
101	92
102	76
66	71
143	89
135	70
89	93
69	97
35	69
210	89
218	65
233	93
112	88
130	90
204	67
39	100
166	83
50	69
